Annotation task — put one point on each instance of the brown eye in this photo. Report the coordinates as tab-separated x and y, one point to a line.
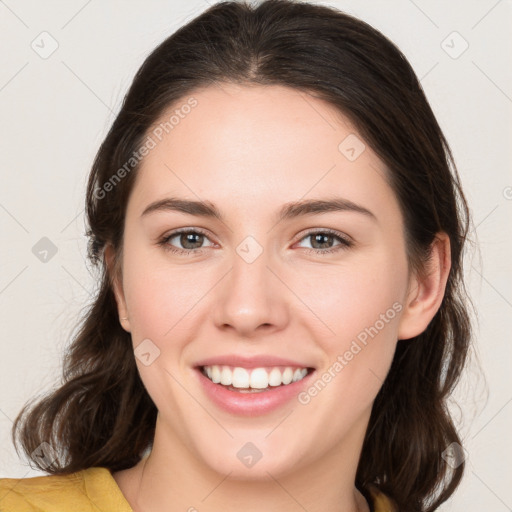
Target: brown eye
322	242
191	241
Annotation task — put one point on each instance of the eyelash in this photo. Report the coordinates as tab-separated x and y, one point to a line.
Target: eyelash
345	242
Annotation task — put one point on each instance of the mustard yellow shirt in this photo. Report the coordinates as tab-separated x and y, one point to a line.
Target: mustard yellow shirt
89	490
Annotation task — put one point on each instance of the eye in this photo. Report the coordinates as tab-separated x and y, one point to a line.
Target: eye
190	239
322	240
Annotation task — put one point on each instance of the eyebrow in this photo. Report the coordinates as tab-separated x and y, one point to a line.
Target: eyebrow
288	211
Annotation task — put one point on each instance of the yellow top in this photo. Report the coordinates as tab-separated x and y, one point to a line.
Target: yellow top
89	490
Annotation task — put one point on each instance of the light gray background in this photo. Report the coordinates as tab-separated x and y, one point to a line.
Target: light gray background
55	112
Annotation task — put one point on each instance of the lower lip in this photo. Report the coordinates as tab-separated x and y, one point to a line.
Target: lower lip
251	404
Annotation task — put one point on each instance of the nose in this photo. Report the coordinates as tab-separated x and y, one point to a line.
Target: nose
251	298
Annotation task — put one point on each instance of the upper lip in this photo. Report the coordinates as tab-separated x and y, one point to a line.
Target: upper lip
250	362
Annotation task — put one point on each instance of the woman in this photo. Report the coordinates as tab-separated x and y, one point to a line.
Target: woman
225	365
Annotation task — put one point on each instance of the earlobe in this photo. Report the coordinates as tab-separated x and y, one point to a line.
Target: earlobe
426	292
116	283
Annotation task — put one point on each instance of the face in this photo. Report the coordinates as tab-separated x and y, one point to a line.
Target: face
325	290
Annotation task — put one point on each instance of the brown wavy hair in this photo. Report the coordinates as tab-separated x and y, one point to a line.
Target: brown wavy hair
102	415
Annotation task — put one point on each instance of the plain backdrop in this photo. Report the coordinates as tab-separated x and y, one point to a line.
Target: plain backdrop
65	69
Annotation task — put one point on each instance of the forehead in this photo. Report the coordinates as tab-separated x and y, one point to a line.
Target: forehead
245	143
254	122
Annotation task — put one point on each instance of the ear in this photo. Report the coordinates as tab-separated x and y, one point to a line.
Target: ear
426	293
117	285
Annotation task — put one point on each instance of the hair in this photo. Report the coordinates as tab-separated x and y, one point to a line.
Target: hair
102	415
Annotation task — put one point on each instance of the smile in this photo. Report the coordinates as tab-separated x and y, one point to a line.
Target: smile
263	378
234	392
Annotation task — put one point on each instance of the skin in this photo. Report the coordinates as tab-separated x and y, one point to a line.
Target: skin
249	150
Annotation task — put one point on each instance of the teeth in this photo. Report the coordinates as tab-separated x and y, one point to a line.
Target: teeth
226	376
241	378
288	376
275	377
257	378
297	375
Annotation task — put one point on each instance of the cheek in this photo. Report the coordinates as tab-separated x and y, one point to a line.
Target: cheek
159	296
347	299
160	300
356	316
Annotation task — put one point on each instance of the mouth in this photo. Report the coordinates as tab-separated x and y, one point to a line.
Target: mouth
254	380
252	391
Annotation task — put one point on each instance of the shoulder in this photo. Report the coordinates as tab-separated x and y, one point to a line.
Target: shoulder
381	502
41	493
83	491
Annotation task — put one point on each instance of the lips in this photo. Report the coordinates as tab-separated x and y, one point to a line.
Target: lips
251	404
257	361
